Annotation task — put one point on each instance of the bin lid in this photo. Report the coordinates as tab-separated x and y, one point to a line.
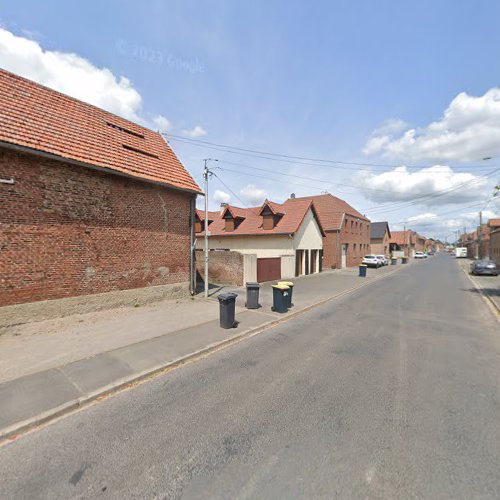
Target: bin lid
227	296
363	265
281	286
287	283
251	284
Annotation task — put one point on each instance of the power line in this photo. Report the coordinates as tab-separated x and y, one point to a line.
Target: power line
300	160
397	205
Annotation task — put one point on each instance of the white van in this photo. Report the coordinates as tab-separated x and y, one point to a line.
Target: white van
460	252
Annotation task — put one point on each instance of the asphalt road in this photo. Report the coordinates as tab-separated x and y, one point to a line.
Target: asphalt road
393	392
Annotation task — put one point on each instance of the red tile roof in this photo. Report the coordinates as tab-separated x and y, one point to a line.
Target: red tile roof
294	211
211	215
403	237
39	118
331	210
494	223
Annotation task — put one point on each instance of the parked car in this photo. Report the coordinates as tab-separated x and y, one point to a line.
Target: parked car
372	261
383	259
484	267
420	255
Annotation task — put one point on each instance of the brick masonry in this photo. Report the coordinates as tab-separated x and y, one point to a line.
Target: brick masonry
225	267
68	230
355	233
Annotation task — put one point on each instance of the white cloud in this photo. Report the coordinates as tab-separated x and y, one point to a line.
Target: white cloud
401	184
253	195
71	74
162	123
469	130
195	132
445	225
221	196
416	219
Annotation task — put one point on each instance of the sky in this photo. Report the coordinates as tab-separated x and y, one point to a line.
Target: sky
393	106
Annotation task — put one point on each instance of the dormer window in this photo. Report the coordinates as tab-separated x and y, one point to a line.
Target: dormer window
231	220
270	216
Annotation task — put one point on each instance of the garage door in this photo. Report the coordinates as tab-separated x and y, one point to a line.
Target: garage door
268	269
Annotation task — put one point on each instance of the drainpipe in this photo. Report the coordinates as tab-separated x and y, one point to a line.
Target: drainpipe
338	262
192	243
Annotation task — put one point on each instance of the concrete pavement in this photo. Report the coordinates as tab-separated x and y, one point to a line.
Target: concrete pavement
49	387
389	393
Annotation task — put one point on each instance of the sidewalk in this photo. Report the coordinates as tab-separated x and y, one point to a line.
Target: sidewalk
489	286
53	367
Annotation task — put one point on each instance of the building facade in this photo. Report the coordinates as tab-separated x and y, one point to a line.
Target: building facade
347	232
91	203
278	240
380	238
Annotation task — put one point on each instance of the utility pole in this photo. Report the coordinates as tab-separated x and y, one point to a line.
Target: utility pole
480	236
206	174
404	236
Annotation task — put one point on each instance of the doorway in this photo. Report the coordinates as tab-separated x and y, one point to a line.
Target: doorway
344	255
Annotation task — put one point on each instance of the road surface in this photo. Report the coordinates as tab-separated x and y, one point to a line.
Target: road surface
392	392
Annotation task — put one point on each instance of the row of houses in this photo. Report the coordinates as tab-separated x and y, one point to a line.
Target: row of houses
93	203
483	242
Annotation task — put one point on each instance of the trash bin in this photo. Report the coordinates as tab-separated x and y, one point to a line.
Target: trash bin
290	294
280	298
252	295
404	260
227	303
362	270
394	261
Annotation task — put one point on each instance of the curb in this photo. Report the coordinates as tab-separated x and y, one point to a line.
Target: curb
12	432
489	301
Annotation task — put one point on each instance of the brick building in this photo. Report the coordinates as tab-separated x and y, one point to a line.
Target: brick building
347	232
380	238
90	202
494	240
403	243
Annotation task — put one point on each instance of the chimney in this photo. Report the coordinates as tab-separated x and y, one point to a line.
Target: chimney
223	206
292	196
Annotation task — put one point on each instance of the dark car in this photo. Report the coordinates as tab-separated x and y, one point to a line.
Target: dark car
485	267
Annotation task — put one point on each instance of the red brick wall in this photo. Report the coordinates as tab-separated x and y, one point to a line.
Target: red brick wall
494	246
380	246
329	250
224	268
68	231
355	232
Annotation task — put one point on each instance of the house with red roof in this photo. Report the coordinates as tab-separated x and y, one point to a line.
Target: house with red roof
278	240
347	231
91	202
402	243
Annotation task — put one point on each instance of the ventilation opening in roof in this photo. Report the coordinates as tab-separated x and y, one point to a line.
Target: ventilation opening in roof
126	130
140	151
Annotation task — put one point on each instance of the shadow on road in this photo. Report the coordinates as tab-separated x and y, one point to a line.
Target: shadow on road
492	292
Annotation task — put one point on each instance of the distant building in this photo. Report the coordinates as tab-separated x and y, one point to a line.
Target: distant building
347	231
380	238
403	243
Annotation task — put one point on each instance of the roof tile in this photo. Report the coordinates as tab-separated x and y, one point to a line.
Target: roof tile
40	118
